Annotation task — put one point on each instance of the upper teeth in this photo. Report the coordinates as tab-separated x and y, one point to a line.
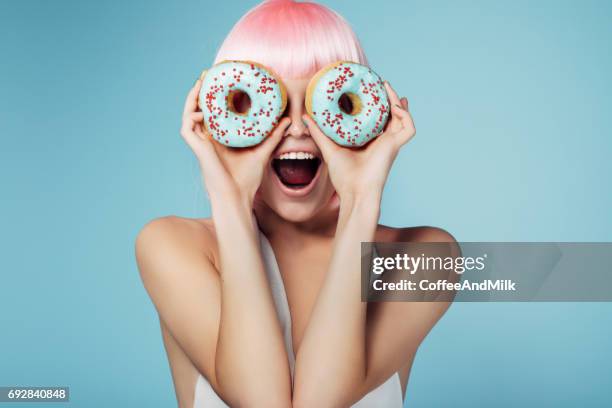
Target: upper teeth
296	155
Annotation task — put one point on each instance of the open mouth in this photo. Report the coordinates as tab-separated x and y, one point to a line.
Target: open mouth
296	170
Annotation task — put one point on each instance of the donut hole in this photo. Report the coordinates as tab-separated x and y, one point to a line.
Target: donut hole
349	103
238	101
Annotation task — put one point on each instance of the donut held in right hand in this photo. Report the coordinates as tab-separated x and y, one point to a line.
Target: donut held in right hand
241	102
348	102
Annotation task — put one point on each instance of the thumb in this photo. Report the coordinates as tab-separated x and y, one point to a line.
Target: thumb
325	144
268	145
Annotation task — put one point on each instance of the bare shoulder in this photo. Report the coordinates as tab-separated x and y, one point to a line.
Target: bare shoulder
172	235
177	263
404	325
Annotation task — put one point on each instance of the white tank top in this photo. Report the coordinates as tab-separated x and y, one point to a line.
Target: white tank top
386	395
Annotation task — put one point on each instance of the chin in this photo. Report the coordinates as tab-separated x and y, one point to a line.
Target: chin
295	212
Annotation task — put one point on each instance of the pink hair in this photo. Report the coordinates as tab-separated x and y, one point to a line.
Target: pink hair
295	39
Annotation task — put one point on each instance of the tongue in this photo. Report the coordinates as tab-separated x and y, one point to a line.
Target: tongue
296	172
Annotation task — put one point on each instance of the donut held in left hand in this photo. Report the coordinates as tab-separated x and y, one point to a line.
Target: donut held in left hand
349	103
241	102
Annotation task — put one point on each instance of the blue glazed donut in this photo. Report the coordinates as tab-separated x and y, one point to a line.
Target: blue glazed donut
241	102
349	103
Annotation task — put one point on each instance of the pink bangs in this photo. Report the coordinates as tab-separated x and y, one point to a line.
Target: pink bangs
294	39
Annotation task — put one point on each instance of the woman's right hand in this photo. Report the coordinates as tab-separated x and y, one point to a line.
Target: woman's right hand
229	173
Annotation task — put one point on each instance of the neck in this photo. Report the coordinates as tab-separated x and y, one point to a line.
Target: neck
320	226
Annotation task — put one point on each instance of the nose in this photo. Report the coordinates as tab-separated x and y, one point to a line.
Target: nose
295	109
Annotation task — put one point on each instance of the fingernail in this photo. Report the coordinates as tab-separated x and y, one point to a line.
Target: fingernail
196	82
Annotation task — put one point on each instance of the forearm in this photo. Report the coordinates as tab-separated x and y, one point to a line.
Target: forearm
251	361
332	355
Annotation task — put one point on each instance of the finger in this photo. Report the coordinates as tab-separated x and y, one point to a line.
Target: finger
395	123
325	144
191	103
191	137
403	130
192	131
198	87
270	142
201	131
393	98
203	146
399	110
406	130
196	116
386	138
188	127
405	115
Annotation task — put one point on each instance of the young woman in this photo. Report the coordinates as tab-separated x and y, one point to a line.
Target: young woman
260	304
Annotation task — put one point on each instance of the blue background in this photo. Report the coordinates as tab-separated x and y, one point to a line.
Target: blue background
512	102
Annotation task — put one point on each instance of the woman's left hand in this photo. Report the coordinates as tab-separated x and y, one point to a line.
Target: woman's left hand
358	171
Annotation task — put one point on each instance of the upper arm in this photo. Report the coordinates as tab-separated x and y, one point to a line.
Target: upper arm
178	272
395	330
